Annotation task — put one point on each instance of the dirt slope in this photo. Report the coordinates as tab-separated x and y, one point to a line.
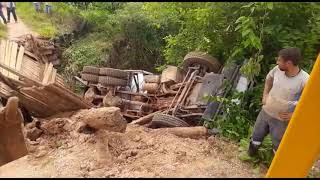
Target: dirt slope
62	151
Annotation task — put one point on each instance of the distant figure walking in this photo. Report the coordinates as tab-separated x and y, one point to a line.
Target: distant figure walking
1	14
37	6
11	8
48	7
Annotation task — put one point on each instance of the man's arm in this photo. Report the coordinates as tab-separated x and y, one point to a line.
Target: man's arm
267	87
286	116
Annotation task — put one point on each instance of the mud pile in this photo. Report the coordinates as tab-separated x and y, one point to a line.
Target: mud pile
68	148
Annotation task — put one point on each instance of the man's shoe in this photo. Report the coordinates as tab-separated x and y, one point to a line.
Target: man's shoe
253	149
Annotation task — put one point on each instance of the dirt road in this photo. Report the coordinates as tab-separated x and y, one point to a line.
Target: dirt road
17	29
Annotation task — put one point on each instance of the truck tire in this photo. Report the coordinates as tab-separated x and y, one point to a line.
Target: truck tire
117	73
91	70
165	120
203	60
90	77
111	81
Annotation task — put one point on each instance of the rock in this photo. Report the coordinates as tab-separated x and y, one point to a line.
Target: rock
84	138
181	155
80	127
83	166
33	142
136	138
68	127
54	126
30	125
112	101
133	153
108	118
41	148
96	173
34	133
92	141
41	153
211	141
89	95
31	149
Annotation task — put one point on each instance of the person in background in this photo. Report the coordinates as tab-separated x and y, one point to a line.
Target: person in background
11	8
1	14
37	6
48	7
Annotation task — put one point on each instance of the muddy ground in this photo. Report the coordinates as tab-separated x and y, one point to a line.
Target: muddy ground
64	151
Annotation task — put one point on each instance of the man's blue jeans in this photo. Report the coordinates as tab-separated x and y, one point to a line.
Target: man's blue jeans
37	6
48	9
2	16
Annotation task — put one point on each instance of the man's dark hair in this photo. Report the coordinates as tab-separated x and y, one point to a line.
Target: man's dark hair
291	54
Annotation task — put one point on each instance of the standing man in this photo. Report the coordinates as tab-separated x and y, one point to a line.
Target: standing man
283	88
37	6
48	7
11	8
1	14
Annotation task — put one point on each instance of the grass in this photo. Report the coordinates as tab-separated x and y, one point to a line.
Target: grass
3	31
61	20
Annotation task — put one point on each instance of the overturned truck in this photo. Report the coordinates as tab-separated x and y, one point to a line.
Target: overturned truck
174	98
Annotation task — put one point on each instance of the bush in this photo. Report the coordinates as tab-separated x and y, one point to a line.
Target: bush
141	40
234	122
237	120
136	41
86	51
